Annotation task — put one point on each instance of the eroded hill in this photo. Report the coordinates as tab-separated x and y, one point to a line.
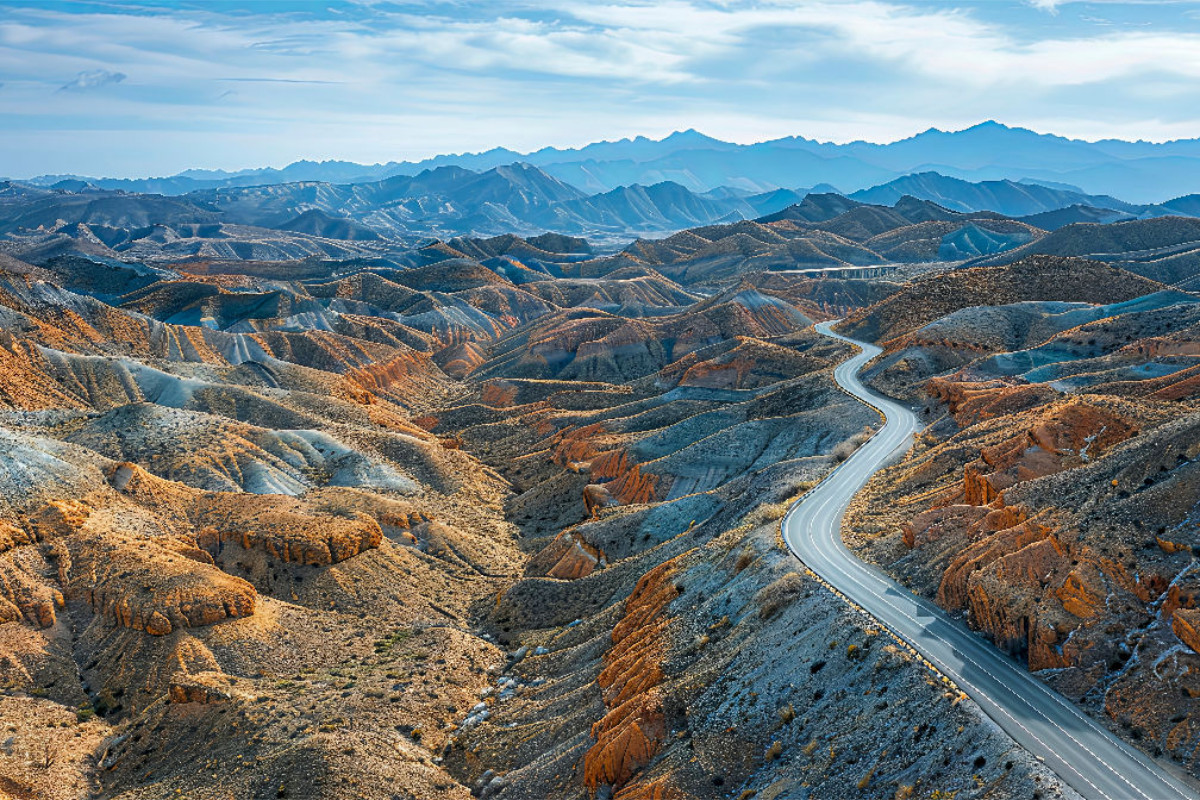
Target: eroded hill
483	519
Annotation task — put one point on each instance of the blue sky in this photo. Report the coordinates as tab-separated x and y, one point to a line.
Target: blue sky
156	87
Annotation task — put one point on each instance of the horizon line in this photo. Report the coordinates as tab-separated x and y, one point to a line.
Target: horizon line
234	172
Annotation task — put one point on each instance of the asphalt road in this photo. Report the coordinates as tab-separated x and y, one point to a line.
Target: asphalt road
1081	752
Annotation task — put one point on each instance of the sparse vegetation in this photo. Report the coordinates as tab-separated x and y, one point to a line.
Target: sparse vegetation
384	646
47	754
773	511
779	593
744	559
846	448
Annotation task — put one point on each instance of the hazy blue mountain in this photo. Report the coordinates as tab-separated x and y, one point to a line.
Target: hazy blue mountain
1137	172
512	194
1141	180
1188	205
756	168
983	145
1061	217
814	208
1007	197
28	209
659	207
770	202
525	199
315	222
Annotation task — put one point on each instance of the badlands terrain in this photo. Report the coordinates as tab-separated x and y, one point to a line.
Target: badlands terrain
293	504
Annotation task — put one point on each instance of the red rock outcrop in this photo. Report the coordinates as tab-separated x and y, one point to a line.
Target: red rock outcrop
624	481
660	789
974	401
575	558
284	528
1002	598
578	445
1063	436
293	537
628	483
406	375
24	382
205	688
1083	592
1010	563
937	523
718	375
954	590
499	394
1180	386
460	360
629	735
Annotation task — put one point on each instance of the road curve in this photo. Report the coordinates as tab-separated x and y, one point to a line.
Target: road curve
1079	750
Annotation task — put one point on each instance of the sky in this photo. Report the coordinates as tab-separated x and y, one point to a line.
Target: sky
136	89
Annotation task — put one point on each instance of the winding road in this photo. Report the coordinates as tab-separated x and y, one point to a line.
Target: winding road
1078	749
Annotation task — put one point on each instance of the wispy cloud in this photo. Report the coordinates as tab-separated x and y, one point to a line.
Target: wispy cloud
400	80
92	79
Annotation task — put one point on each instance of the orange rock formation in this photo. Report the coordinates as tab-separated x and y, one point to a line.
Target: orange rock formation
629	735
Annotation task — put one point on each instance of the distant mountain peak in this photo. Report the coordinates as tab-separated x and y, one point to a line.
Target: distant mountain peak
990	124
691	136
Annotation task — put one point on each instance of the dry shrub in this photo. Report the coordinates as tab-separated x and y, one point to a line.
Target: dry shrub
779	593
846	448
771	511
794	490
767	512
744	559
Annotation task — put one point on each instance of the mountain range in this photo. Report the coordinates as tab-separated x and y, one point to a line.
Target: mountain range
438	216
1140	172
448	201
